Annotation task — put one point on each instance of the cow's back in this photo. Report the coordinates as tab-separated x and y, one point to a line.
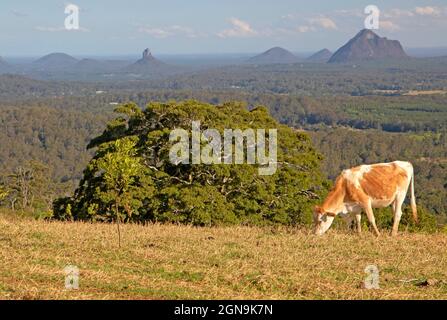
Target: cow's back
378	181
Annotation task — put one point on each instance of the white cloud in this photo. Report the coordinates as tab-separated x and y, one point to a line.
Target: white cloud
397	13
388	25
155	32
170	31
324	22
418	17
59	29
19	13
304	29
421	11
239	29
313	24
288	16
427	11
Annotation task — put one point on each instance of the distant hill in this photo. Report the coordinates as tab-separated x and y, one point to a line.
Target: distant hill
148	65
320	56
55	61
274	56
367	45
5	67
61	66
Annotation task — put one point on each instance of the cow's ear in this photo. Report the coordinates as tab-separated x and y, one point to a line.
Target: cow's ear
331	214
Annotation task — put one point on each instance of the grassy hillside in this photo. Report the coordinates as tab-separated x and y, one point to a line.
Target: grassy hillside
180	262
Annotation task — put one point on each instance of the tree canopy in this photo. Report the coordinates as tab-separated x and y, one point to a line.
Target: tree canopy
131	172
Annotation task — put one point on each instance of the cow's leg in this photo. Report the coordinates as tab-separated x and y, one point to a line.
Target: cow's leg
370	214
348	218
358	219
357	214
394	206
397	206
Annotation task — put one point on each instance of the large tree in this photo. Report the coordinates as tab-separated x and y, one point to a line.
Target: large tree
201	194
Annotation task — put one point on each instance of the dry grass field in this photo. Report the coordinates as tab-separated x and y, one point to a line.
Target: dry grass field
180	262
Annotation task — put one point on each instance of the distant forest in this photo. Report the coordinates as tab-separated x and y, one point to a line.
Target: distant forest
349	112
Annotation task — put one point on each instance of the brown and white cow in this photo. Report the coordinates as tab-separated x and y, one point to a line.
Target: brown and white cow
364	188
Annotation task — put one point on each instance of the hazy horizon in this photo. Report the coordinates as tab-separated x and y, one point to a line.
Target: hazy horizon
413	51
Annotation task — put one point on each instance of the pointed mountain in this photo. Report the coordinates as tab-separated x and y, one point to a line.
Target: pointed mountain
148	64
54	62
273	56
320	56
367	45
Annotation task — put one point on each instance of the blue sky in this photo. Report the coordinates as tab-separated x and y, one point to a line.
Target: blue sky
111	27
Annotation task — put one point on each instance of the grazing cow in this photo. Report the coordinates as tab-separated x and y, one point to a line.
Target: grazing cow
364	188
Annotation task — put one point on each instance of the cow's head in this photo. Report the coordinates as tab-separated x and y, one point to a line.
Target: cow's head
322	220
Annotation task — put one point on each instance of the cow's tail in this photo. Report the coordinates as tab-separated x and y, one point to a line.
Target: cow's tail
414	208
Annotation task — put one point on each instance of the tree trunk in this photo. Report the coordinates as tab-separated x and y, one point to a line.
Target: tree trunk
118	223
